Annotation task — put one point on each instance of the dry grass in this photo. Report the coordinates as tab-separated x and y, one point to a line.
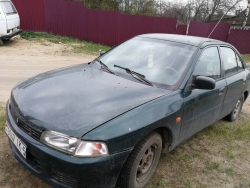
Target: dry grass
246	57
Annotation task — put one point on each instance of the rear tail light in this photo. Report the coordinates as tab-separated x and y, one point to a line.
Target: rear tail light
8	31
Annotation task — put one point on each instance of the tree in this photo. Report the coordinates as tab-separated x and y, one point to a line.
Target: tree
219	5
246	15
200	10
101	4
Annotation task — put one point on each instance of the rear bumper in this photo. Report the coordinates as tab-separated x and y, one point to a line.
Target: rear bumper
62	170
11	35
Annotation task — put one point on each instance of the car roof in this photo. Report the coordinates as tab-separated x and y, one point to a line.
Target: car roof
191	40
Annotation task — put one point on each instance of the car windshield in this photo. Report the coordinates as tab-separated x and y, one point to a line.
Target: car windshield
8	7
161	62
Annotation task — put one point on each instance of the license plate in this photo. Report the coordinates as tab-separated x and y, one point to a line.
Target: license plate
16	141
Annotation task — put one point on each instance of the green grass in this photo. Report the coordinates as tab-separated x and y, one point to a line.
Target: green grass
246	57
2	118
78	46
214	157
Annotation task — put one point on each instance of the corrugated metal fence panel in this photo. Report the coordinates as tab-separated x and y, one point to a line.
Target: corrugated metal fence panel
66	19
129	27
109	22
132	25
91	25
181	29
240	39
198	29
32	14
220	32
204	29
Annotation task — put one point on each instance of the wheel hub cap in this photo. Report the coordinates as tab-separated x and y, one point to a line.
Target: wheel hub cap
145	164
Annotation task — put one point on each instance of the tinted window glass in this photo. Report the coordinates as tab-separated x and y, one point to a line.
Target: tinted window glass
240	65
162	62
8	7
229	60
209	64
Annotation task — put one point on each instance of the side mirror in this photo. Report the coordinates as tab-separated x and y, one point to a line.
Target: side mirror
203	82
102	52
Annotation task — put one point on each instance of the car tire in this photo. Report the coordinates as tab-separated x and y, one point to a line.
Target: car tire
1	42
236	111
142	162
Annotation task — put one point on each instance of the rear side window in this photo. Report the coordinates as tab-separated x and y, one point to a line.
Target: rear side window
8	7
209	64
229	59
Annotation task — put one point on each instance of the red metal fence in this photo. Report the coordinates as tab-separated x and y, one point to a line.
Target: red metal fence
240	39
204	29
105	27
67	18
32	14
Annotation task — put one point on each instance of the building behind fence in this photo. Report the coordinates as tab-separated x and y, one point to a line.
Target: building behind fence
67	18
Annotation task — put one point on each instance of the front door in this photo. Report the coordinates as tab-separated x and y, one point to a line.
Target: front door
203	107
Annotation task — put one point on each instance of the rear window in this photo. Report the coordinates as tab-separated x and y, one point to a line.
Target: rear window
8	7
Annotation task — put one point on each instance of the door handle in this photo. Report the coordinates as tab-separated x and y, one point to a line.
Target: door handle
221	90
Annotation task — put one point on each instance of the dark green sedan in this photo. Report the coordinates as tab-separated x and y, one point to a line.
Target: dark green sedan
105	123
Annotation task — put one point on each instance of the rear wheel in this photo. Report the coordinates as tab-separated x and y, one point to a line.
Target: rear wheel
236	111
142	162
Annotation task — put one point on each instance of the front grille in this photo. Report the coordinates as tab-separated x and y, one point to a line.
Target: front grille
64	178
30	131
26	126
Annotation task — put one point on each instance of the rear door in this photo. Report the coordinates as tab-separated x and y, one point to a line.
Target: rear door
235	77
12	17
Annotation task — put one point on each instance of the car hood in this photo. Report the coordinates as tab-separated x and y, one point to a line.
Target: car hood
77	99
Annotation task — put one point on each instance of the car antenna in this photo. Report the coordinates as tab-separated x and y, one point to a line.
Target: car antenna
218	23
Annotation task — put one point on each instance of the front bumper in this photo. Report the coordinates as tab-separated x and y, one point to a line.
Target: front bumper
11	35
62	170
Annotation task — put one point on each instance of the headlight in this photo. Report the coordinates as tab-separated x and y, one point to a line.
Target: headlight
74	146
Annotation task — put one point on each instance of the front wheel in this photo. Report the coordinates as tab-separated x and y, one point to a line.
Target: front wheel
236	111
142	162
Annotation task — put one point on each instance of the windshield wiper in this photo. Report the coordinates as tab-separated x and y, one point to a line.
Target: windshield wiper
104	66
141	76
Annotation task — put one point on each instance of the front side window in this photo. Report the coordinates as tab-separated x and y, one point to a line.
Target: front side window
209	64
229	59
161	62
8	7
240	65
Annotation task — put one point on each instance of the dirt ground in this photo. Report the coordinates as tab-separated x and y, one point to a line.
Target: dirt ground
21	59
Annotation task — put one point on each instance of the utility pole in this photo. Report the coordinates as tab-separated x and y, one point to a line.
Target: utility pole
246	15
